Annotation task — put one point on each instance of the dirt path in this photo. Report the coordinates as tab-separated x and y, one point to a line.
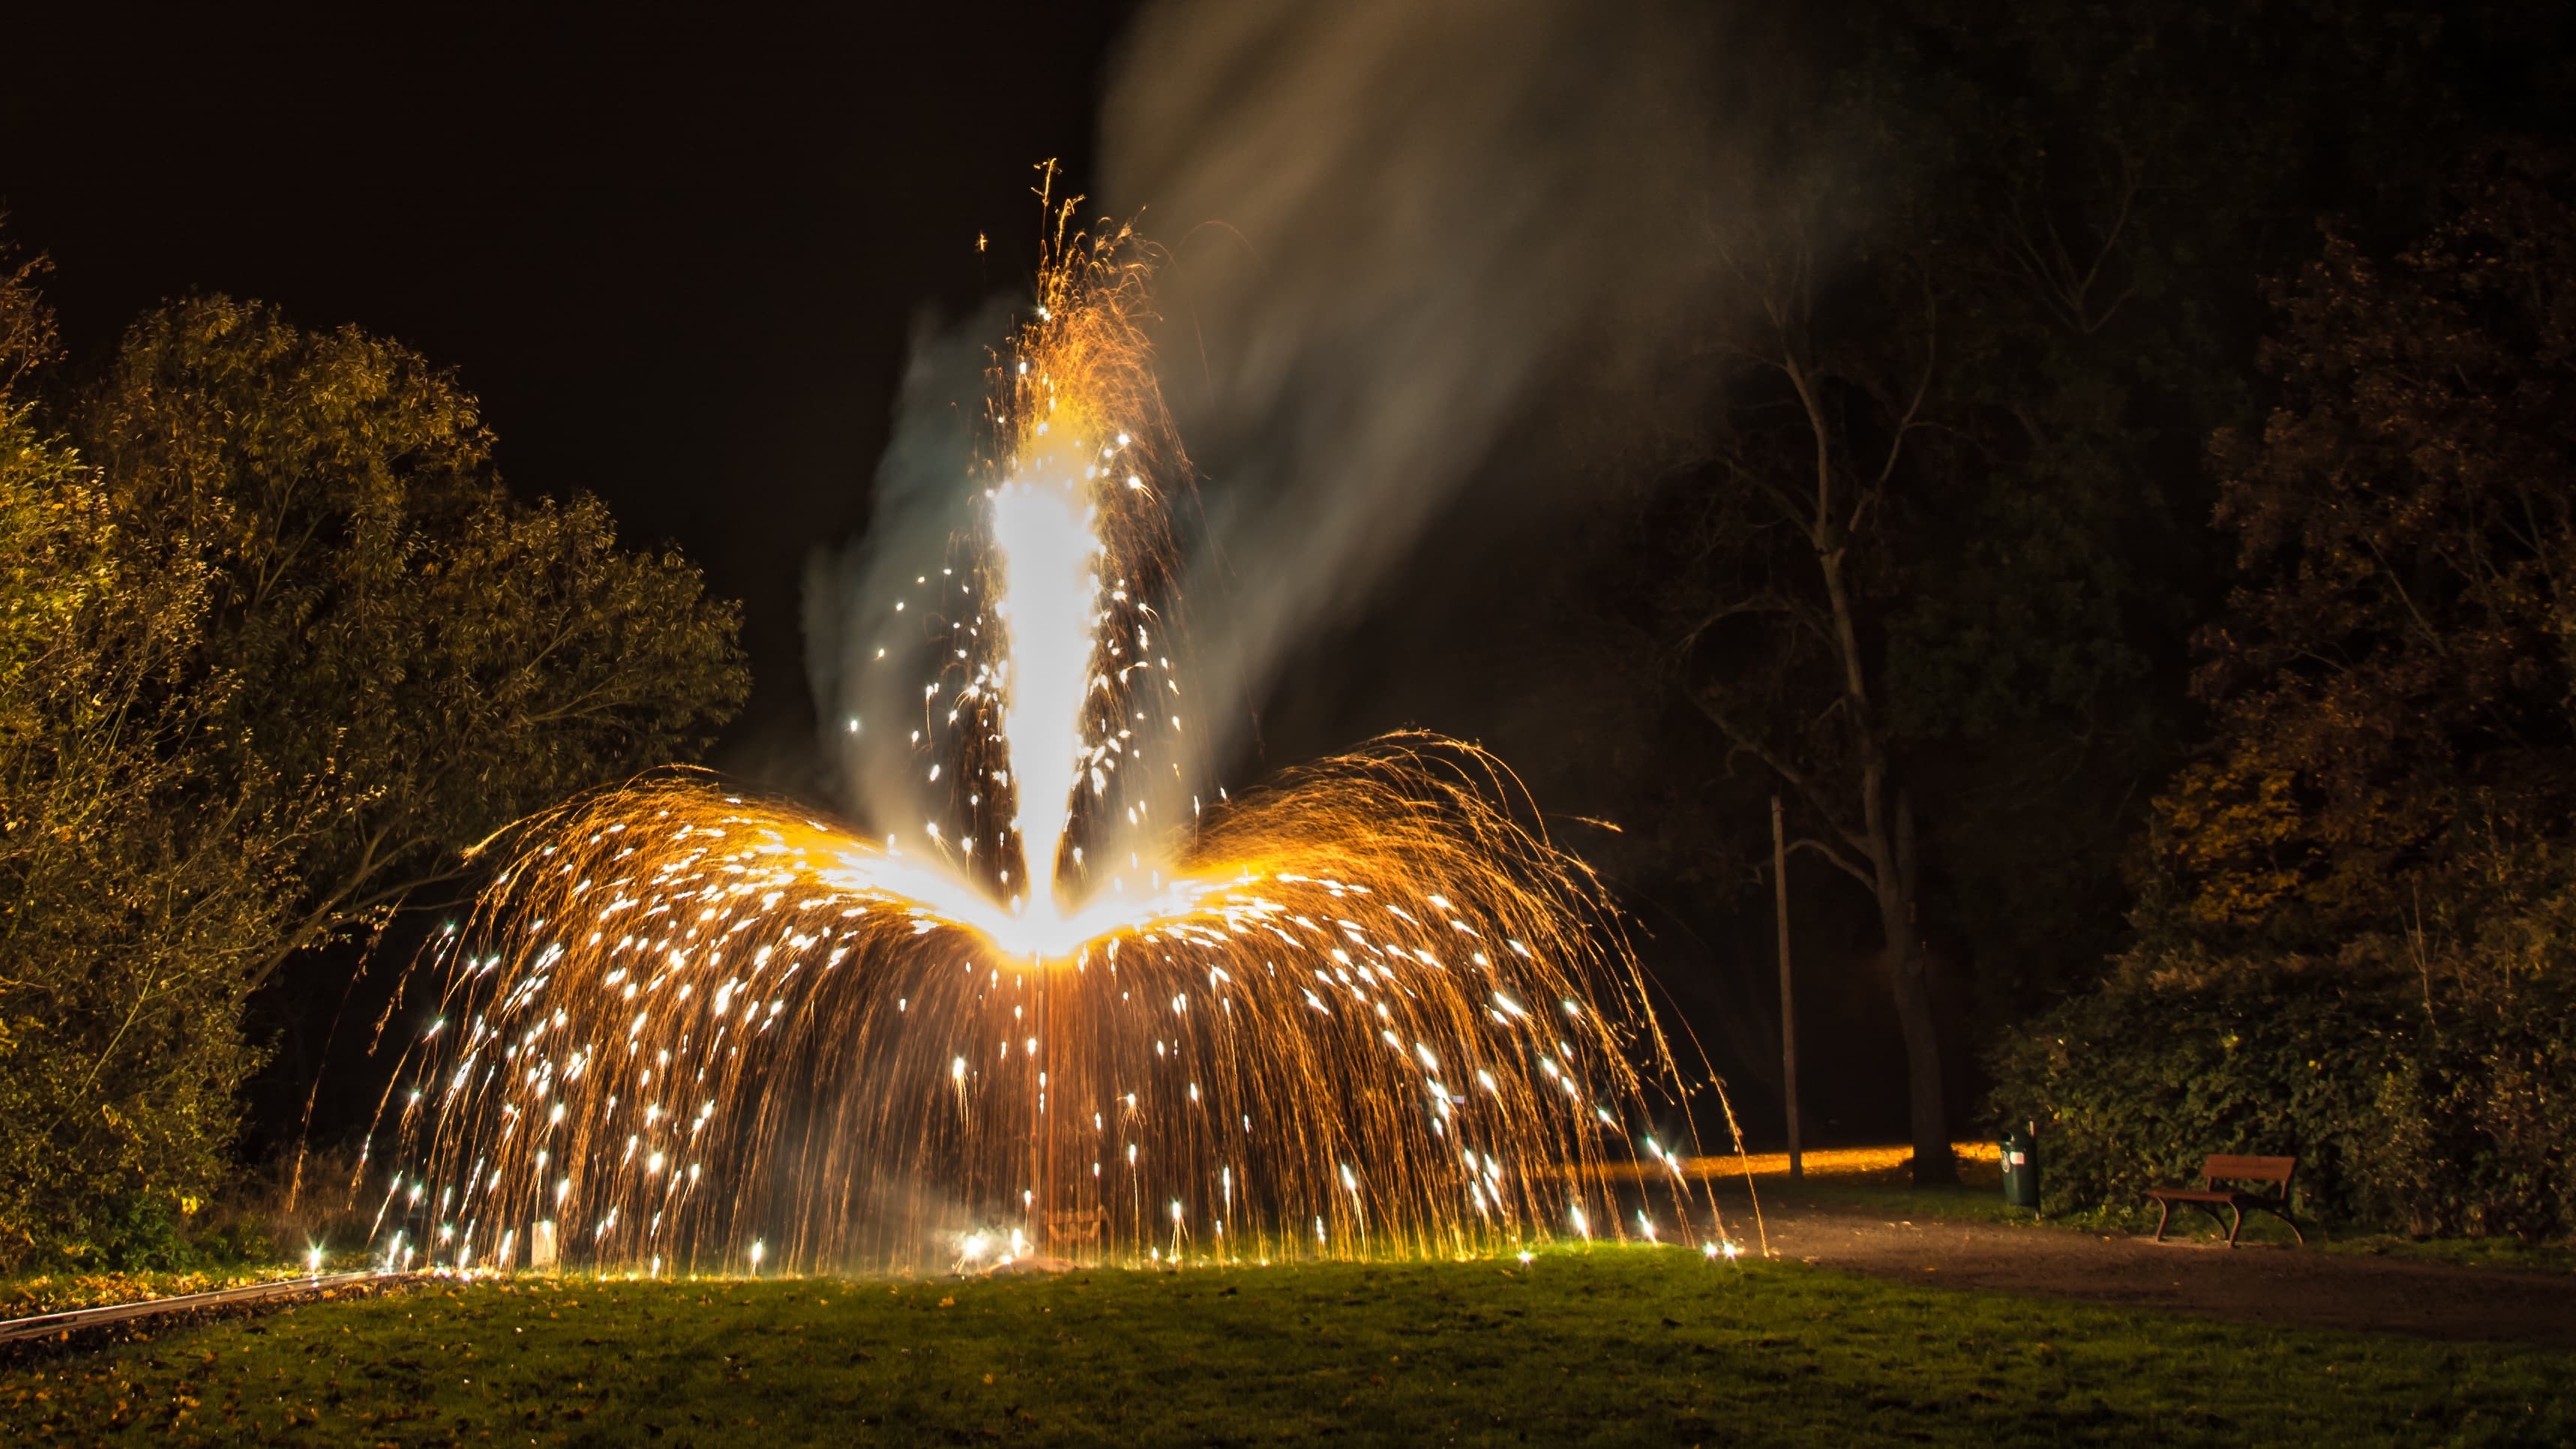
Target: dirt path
2285	1286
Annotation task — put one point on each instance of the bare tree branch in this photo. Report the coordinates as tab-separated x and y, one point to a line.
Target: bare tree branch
1841	862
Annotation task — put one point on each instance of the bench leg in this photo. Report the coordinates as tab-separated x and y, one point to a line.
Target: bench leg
2235	1227
2164	1214
2294	1227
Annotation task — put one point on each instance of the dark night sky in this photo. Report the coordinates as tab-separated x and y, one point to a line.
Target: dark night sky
678	261
680	257
680	254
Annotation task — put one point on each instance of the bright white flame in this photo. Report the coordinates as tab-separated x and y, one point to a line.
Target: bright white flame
1046	607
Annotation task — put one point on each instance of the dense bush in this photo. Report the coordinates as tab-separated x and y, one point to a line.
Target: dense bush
2425	1088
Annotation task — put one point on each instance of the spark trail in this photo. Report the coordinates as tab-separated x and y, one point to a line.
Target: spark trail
1360	1011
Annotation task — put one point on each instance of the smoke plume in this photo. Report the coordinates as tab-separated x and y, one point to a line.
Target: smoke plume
923	500
1392	224
1389	224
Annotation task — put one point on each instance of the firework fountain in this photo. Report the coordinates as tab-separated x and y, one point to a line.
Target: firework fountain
1077	1011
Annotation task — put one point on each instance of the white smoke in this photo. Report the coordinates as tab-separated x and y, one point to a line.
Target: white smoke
867	705
1391	223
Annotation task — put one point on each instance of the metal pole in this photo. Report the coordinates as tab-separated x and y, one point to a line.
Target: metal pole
1788	998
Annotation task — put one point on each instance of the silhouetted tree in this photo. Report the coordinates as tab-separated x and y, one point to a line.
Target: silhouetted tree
1935	559
2393	667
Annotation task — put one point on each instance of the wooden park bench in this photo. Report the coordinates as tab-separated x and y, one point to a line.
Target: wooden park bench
2209	1197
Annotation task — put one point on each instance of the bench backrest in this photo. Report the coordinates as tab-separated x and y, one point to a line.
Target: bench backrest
2250	1169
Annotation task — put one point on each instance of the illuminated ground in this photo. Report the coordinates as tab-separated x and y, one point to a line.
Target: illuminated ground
1618	1346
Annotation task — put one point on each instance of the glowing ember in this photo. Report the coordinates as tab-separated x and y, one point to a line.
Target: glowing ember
1076	1019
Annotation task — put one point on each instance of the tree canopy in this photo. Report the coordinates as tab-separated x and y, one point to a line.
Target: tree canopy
277	648
138	877
2391	674
420	657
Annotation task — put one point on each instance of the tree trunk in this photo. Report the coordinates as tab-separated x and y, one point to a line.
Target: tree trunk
1933	1163
1889	843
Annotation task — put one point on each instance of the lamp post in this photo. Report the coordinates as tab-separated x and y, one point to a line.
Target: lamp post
1788	998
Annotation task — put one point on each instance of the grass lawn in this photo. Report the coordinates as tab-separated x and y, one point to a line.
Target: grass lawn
2520	1257
1615	1346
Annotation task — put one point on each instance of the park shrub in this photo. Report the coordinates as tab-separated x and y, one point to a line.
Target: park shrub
2427	1087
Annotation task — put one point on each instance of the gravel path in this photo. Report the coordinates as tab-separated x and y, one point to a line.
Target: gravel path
2259	1283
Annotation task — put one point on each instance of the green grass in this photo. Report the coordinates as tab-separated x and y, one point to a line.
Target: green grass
1617	1346
2507	1253
1898	1201
1895	1201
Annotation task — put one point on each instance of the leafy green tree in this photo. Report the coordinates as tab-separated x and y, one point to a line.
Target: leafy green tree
275	649
419	657
138	874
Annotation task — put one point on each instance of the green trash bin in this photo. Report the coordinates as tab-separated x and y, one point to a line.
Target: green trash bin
2020	1153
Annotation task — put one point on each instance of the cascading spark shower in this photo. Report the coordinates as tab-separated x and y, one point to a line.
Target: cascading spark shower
1361	1010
